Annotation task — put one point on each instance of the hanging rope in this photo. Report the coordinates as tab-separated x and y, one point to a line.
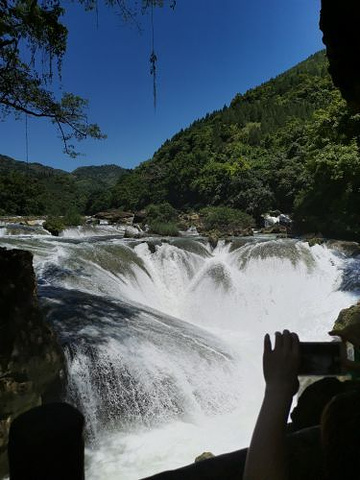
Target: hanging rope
97	15
153	57
27	142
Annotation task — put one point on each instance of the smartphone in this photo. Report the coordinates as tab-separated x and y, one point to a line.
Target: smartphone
321	358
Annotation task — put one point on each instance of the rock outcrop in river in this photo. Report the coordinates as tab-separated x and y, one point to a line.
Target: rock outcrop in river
347	325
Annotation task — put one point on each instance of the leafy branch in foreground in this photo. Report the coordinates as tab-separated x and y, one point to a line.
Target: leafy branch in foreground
32	39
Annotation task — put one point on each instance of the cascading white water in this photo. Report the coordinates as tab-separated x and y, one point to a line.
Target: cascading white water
164	339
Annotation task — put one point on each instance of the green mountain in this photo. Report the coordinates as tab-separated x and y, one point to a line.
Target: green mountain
32	188
8	164
106	175
289	144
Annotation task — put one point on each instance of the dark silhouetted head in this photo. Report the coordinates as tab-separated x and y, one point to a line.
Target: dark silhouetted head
46	443
340	432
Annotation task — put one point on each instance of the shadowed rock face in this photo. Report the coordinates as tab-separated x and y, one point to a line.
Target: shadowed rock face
339	22
30	358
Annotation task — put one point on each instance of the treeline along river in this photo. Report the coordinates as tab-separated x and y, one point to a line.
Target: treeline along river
163	338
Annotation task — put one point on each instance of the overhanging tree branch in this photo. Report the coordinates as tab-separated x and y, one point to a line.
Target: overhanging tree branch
34	27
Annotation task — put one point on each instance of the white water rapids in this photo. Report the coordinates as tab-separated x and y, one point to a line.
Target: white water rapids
164	338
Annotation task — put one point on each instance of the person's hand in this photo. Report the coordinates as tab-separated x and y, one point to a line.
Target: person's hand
281	364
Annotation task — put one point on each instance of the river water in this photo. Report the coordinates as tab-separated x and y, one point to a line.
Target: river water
163	338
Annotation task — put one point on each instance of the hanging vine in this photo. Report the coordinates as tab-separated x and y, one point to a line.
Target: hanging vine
153	57
27	143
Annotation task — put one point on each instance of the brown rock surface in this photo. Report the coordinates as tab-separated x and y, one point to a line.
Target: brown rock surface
116	216
347	325
351	249
30	358
204	456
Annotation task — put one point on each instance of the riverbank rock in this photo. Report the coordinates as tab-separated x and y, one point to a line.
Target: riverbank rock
140	216
133	231
315	241
213	239
350	249
277	228
190	220
116	216
215	235
31	360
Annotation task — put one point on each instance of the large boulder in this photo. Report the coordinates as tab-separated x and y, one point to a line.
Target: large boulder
347	325
31	360
133	231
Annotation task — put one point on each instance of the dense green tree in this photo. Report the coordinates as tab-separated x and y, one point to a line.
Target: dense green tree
98	201
163	212
132	191
18	196
33	188
330	203
225	219
162	219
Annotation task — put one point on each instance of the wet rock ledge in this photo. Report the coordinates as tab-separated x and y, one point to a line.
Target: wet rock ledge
31	360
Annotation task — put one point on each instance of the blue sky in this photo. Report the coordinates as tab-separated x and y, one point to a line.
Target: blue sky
208	50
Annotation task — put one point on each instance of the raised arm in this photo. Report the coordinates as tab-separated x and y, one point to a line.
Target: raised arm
266	458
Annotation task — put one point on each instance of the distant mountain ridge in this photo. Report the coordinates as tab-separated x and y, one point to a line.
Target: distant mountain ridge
105	174
8	164
51	190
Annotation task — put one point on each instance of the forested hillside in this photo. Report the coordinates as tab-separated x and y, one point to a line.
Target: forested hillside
289	144
34	189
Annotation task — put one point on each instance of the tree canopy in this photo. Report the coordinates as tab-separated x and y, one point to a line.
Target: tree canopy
33	42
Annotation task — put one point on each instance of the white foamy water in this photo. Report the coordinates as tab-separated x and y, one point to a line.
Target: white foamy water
86	231
164	339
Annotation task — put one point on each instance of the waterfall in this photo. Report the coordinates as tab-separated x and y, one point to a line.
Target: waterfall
163	339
